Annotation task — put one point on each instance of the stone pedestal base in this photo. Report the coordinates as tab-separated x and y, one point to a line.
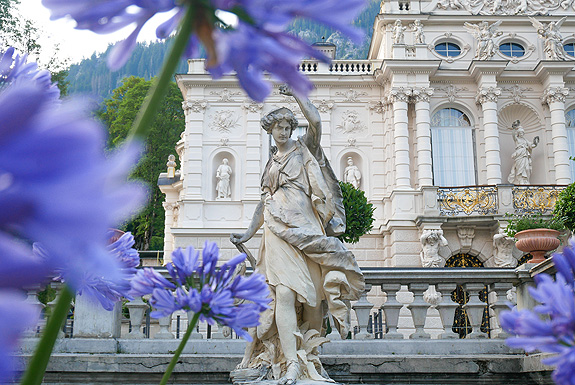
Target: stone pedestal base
251	377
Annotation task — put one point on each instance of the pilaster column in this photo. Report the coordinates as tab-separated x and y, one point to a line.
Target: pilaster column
487	97
554	97
252	163
193	142
421	97
399	97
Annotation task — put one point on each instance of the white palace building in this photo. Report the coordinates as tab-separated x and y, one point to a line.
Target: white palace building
427	120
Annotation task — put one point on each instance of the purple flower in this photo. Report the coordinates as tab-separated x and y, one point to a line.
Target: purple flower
57	187
17	316
216	293
555	331
258	43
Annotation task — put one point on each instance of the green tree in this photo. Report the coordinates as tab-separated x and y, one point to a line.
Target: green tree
358	213
117	113
17	31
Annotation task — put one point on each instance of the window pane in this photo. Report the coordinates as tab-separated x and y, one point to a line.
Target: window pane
512	49
570	49
448	49
570	121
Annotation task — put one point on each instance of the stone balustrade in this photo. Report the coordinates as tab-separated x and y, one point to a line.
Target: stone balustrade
341	67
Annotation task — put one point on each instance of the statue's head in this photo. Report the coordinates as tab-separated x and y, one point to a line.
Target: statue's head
225	161
270	120
350	161
516	124
171	157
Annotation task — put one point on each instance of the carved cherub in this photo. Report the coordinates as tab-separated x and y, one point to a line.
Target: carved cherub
553	46
398	35
484	33
418	36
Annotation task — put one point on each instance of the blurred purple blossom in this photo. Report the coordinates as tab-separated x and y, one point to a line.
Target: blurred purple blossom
555	331
258	43
17	317
216	292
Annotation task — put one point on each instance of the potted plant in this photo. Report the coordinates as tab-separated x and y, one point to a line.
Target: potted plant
535	234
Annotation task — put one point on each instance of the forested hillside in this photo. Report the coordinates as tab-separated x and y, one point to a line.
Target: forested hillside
92	77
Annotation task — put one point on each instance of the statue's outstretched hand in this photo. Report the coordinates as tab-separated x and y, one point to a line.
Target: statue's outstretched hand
285	90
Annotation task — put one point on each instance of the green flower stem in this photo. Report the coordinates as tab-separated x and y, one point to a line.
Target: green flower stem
174	361
39	361
150	106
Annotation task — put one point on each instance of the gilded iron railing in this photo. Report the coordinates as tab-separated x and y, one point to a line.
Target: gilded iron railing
535	199
469	200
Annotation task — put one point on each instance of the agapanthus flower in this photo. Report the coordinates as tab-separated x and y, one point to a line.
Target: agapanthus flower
57	187
257	43
110	292
555	331
17	317
15	67
217	293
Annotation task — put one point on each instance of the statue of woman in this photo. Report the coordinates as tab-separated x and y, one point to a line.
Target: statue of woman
521	170
301	211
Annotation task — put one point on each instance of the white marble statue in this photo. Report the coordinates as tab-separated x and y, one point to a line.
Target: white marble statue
223	175
521	170
553	46
171	165
484	33
398	33
431	240
418	36
352	174
306	266
503	250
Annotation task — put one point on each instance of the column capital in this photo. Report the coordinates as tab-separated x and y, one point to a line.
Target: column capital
421	94
554	94
399	94
194	105
487	94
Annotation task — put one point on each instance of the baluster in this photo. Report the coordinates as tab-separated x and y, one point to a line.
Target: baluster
446	310
137	309
474	309
362	310
418	310
32	299
195	335
165	333
501	289
57	286
391	308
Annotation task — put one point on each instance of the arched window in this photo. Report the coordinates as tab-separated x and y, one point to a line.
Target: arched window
453	149
570	120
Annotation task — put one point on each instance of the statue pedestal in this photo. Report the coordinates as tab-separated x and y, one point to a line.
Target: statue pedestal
250	376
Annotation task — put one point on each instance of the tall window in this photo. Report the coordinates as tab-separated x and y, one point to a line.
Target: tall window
452	149
570	120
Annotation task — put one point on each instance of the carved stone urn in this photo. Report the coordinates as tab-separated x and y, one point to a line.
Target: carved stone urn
538	242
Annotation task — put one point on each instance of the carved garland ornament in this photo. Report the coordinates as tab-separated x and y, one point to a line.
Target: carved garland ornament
499	7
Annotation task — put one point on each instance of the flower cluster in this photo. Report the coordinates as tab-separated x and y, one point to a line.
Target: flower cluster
218	294
256	44
555	331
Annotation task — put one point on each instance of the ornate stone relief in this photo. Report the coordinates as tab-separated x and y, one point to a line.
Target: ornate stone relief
466	235
224	121
516	92
224	142
422	94
194	105
378	107
484	33
174	208
351	142
549	32
554	94
487	94
464	48
398	33
399	94
351	95
502	7
324	105
225	95
431	240
418	35
451	91
252	106
351	122
503	250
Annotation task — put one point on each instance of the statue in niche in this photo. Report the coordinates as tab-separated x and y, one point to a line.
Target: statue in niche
306	266
223	175
521	170
171	165
418	36
352	174
553	46
503	250
484	33
431	240
397	33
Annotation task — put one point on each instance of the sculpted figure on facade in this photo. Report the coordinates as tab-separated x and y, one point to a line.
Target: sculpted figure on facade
223	175
398	33
503	250
352	174
484	33
521	170
306	266
431	240
418	36
171	165
509	7
553	46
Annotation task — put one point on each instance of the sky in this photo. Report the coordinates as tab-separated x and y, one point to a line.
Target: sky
76	44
